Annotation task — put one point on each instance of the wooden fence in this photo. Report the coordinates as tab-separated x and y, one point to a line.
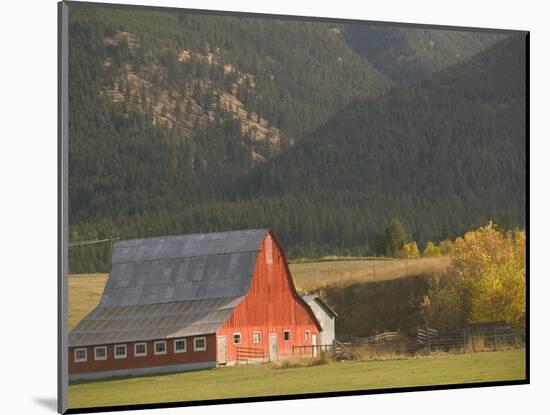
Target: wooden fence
313	350
429	340
250	354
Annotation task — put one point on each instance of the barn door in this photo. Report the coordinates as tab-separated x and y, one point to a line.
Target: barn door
314	343
273	347
222	350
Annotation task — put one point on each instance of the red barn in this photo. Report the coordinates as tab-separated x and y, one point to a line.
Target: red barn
190	302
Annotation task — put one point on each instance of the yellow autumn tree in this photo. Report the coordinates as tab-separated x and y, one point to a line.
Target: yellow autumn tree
445	247
409	250
489	268
431	250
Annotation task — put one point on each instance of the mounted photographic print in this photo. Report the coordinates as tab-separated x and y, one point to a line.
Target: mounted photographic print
258	207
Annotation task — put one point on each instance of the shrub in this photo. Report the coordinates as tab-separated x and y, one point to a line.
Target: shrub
301	361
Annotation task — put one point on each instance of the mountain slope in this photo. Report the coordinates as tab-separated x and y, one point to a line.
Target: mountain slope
166	109
407	54
444	154
188	123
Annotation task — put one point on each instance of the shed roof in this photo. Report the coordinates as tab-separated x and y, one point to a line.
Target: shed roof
309	299
171	286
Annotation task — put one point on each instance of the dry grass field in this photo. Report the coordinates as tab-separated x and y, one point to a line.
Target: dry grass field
85	289
346	271
84	293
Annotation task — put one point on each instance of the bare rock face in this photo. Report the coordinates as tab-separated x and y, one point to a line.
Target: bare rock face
143	85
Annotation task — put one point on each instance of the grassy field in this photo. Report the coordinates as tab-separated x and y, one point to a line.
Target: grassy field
346	271
84	293
265	380
86	289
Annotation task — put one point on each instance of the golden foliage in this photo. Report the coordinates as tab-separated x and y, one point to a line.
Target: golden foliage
486	281
409	250
490	266
445	247
431	250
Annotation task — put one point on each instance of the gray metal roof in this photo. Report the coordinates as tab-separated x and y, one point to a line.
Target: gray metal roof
181	268
314	298
187	270
152	321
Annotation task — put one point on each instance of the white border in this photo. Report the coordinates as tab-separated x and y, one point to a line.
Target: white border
39	394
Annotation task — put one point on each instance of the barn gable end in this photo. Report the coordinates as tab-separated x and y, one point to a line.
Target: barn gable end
271	307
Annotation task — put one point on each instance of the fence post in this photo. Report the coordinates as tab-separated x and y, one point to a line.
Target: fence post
428	338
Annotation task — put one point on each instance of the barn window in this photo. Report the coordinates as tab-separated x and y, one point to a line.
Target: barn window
180	345
140	349
286	335
100	353
199	344
307	336
120	351
160	347
80	355
269	250
257	337
236	338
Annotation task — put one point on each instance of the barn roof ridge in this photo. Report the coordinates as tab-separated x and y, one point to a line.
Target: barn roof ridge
175	235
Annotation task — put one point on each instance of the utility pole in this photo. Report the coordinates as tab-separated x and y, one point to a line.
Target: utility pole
110	240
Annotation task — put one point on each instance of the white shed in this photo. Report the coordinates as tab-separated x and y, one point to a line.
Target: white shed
325	315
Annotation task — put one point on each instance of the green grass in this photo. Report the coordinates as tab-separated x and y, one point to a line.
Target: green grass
265	380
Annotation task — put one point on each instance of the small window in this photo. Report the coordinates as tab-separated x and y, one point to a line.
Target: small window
199	344
269	250
120	351
236	338
160	347
286	335
100	353
80	355
140	349
180	345
308	334
257	337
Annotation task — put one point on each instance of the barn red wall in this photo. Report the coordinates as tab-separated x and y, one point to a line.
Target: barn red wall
151	360
271	306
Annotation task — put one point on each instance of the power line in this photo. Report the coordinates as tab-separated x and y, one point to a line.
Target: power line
93	241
